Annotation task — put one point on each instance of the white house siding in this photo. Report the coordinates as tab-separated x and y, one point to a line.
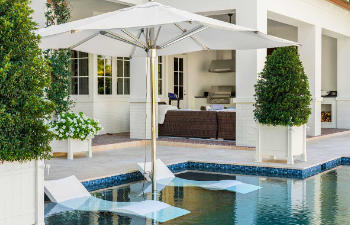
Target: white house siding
38	15
113	114
85	106
343	83
282	30
329	63
317	12
85	8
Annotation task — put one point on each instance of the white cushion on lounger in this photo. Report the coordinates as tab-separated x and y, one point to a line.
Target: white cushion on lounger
221	184
65	189
145	207
163	171
162	110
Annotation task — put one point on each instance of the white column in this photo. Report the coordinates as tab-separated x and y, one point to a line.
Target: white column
140	98
343	83
310	38
93	84
249	63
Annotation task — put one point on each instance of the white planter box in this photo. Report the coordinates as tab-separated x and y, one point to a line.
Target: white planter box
281	143
70	146
22	193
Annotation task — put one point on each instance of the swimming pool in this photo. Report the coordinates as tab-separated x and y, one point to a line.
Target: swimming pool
321	199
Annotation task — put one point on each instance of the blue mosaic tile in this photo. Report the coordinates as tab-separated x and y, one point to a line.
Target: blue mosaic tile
106	182
175	168
345	161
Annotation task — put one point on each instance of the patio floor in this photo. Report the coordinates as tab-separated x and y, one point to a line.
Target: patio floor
125	137
113	162
110	139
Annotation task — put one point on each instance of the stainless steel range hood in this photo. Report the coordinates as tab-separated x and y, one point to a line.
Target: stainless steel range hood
222	66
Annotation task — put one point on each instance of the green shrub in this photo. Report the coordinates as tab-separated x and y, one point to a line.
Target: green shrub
282	91
61	79
75	126
23	78
58	12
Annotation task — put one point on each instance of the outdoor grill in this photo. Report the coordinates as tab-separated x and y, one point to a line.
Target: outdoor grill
220	94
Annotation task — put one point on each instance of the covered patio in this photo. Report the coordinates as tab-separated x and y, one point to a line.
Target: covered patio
113	89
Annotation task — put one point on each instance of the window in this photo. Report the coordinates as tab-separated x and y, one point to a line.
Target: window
80	73
160	75
104	75
178	77
123	76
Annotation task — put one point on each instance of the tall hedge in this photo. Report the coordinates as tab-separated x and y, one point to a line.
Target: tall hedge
282	91
58	12
24	74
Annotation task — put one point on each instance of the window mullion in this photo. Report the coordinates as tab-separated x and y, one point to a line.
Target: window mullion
78	73
123	80
104	76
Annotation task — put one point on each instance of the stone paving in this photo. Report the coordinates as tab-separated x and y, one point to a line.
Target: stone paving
113	162
118	138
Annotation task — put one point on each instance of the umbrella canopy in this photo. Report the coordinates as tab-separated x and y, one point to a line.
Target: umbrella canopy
152	29
175	32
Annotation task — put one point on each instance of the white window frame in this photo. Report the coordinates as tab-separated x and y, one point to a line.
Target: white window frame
104	77
123	77
160	75
79	75
178	71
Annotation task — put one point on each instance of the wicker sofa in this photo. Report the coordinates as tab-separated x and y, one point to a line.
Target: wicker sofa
226	125
199	124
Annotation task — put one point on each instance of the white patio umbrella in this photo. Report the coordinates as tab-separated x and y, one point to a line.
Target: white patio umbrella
152	29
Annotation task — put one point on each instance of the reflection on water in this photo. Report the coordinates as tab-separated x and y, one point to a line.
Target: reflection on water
322	199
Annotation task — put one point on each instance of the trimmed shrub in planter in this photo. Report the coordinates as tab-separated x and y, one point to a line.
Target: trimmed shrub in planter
24	138
73	133
282	102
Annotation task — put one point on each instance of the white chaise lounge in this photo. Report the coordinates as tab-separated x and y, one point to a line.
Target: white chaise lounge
167	178
69	194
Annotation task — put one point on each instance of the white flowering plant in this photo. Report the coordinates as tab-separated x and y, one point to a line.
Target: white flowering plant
76	126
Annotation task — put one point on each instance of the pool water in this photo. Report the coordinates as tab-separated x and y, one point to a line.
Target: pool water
321	199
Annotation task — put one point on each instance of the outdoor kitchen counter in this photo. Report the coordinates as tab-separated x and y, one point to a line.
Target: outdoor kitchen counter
199	101
206	97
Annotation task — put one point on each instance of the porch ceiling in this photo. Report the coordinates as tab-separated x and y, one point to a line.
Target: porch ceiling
86	8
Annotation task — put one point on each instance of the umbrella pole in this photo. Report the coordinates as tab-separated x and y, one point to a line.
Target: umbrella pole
153	54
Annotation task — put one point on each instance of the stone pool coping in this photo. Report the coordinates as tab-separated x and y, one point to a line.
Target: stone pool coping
111	181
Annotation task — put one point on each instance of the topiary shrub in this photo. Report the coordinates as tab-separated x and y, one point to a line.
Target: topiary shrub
282	91
24	74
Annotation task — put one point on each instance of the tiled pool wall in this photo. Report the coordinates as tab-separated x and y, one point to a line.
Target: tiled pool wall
106	182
